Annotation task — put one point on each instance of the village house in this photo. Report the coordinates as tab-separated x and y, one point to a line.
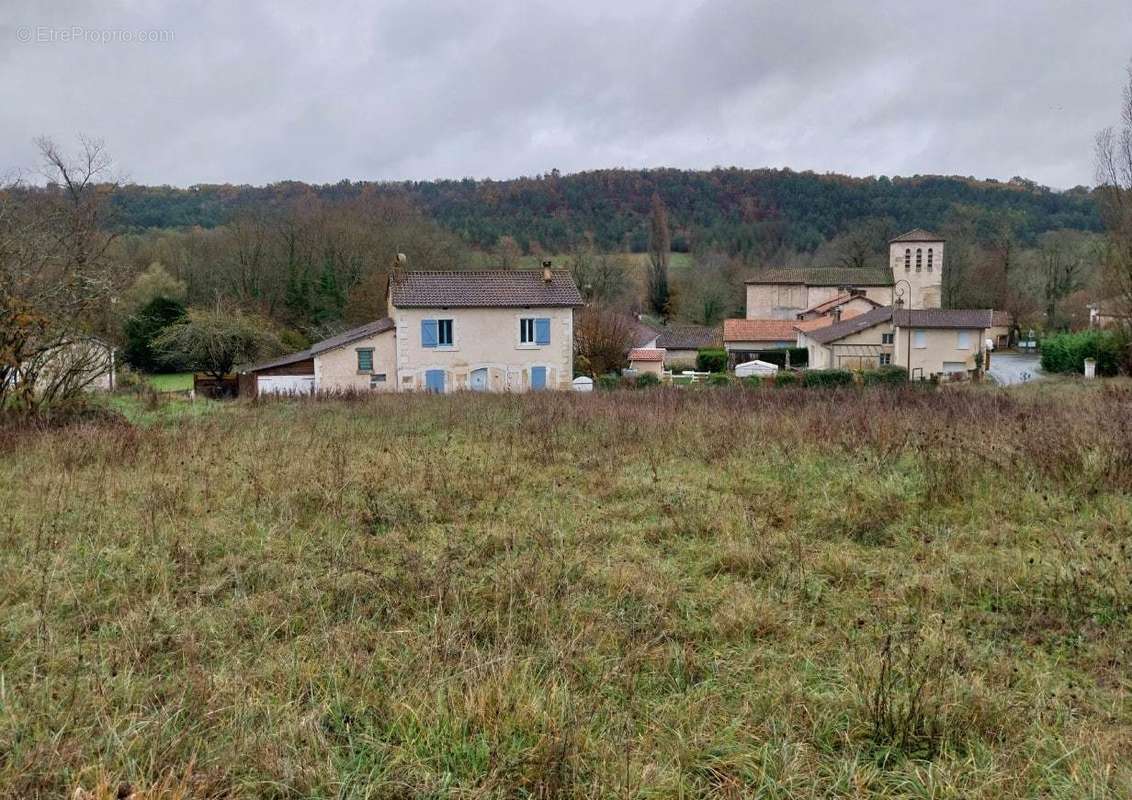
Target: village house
926	342
682	343
744	339
485	330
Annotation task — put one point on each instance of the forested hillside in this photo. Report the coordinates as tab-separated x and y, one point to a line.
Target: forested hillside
753	213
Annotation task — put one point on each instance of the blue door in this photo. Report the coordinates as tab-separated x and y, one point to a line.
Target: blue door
538	378
434	381
478	381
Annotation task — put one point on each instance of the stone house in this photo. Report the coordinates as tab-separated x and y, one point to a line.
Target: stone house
647	359
926	342
682	343
485	330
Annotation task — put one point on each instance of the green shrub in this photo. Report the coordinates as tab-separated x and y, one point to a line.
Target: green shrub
814	378
785	378
719	379
711	359
752	381
889	374
608	382
1066	352
647	379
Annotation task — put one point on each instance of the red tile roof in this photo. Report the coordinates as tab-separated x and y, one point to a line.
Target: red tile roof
840	300
758	330
646	354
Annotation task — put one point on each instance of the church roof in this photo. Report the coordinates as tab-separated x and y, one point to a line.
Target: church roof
825	276
917	235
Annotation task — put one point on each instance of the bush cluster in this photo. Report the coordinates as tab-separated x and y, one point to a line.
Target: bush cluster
1066	352
827	377
887	374
711	359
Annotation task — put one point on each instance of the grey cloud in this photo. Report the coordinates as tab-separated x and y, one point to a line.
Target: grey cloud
262	91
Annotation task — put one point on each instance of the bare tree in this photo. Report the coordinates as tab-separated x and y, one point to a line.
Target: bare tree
1114	192
602	338
56	277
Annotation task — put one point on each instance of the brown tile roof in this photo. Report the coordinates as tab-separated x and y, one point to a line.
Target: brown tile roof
496	288
840	300
646	354
354	334
824	276
1002	319
943	318
823	322
361	332
847	327
688	337
917	235
758	330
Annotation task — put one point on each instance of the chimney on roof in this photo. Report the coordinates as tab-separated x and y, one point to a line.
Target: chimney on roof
399	261
547	274
836	314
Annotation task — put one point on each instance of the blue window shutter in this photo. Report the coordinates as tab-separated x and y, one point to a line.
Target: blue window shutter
428	333
538	378
542	331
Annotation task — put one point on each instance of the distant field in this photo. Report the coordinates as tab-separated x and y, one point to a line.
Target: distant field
171	382
722	593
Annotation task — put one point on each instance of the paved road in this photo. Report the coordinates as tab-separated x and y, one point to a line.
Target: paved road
1008	369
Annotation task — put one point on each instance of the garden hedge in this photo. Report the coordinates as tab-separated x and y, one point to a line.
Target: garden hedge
1066	352
711	359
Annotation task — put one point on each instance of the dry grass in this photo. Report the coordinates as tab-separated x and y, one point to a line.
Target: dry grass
667	594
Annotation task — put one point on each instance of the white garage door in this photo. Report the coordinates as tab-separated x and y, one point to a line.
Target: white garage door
285	384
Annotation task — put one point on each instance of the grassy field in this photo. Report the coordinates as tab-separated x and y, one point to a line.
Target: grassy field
171	382
724	593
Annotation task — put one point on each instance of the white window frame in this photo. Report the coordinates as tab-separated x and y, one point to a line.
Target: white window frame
532	342
962	340
885	359
887	338
440	345
920	339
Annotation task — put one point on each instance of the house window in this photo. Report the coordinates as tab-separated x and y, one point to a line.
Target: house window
534	330
436	333
365	359
444	333
963	340
930	254
885	359
376	380
919	340
919	259
908	260
887	338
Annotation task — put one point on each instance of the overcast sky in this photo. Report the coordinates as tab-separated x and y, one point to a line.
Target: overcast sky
254	92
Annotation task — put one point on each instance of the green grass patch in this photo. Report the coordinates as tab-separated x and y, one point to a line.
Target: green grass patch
171	382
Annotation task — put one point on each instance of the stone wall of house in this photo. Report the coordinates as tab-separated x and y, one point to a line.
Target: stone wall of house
941	346
337	370
787	300
484	338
